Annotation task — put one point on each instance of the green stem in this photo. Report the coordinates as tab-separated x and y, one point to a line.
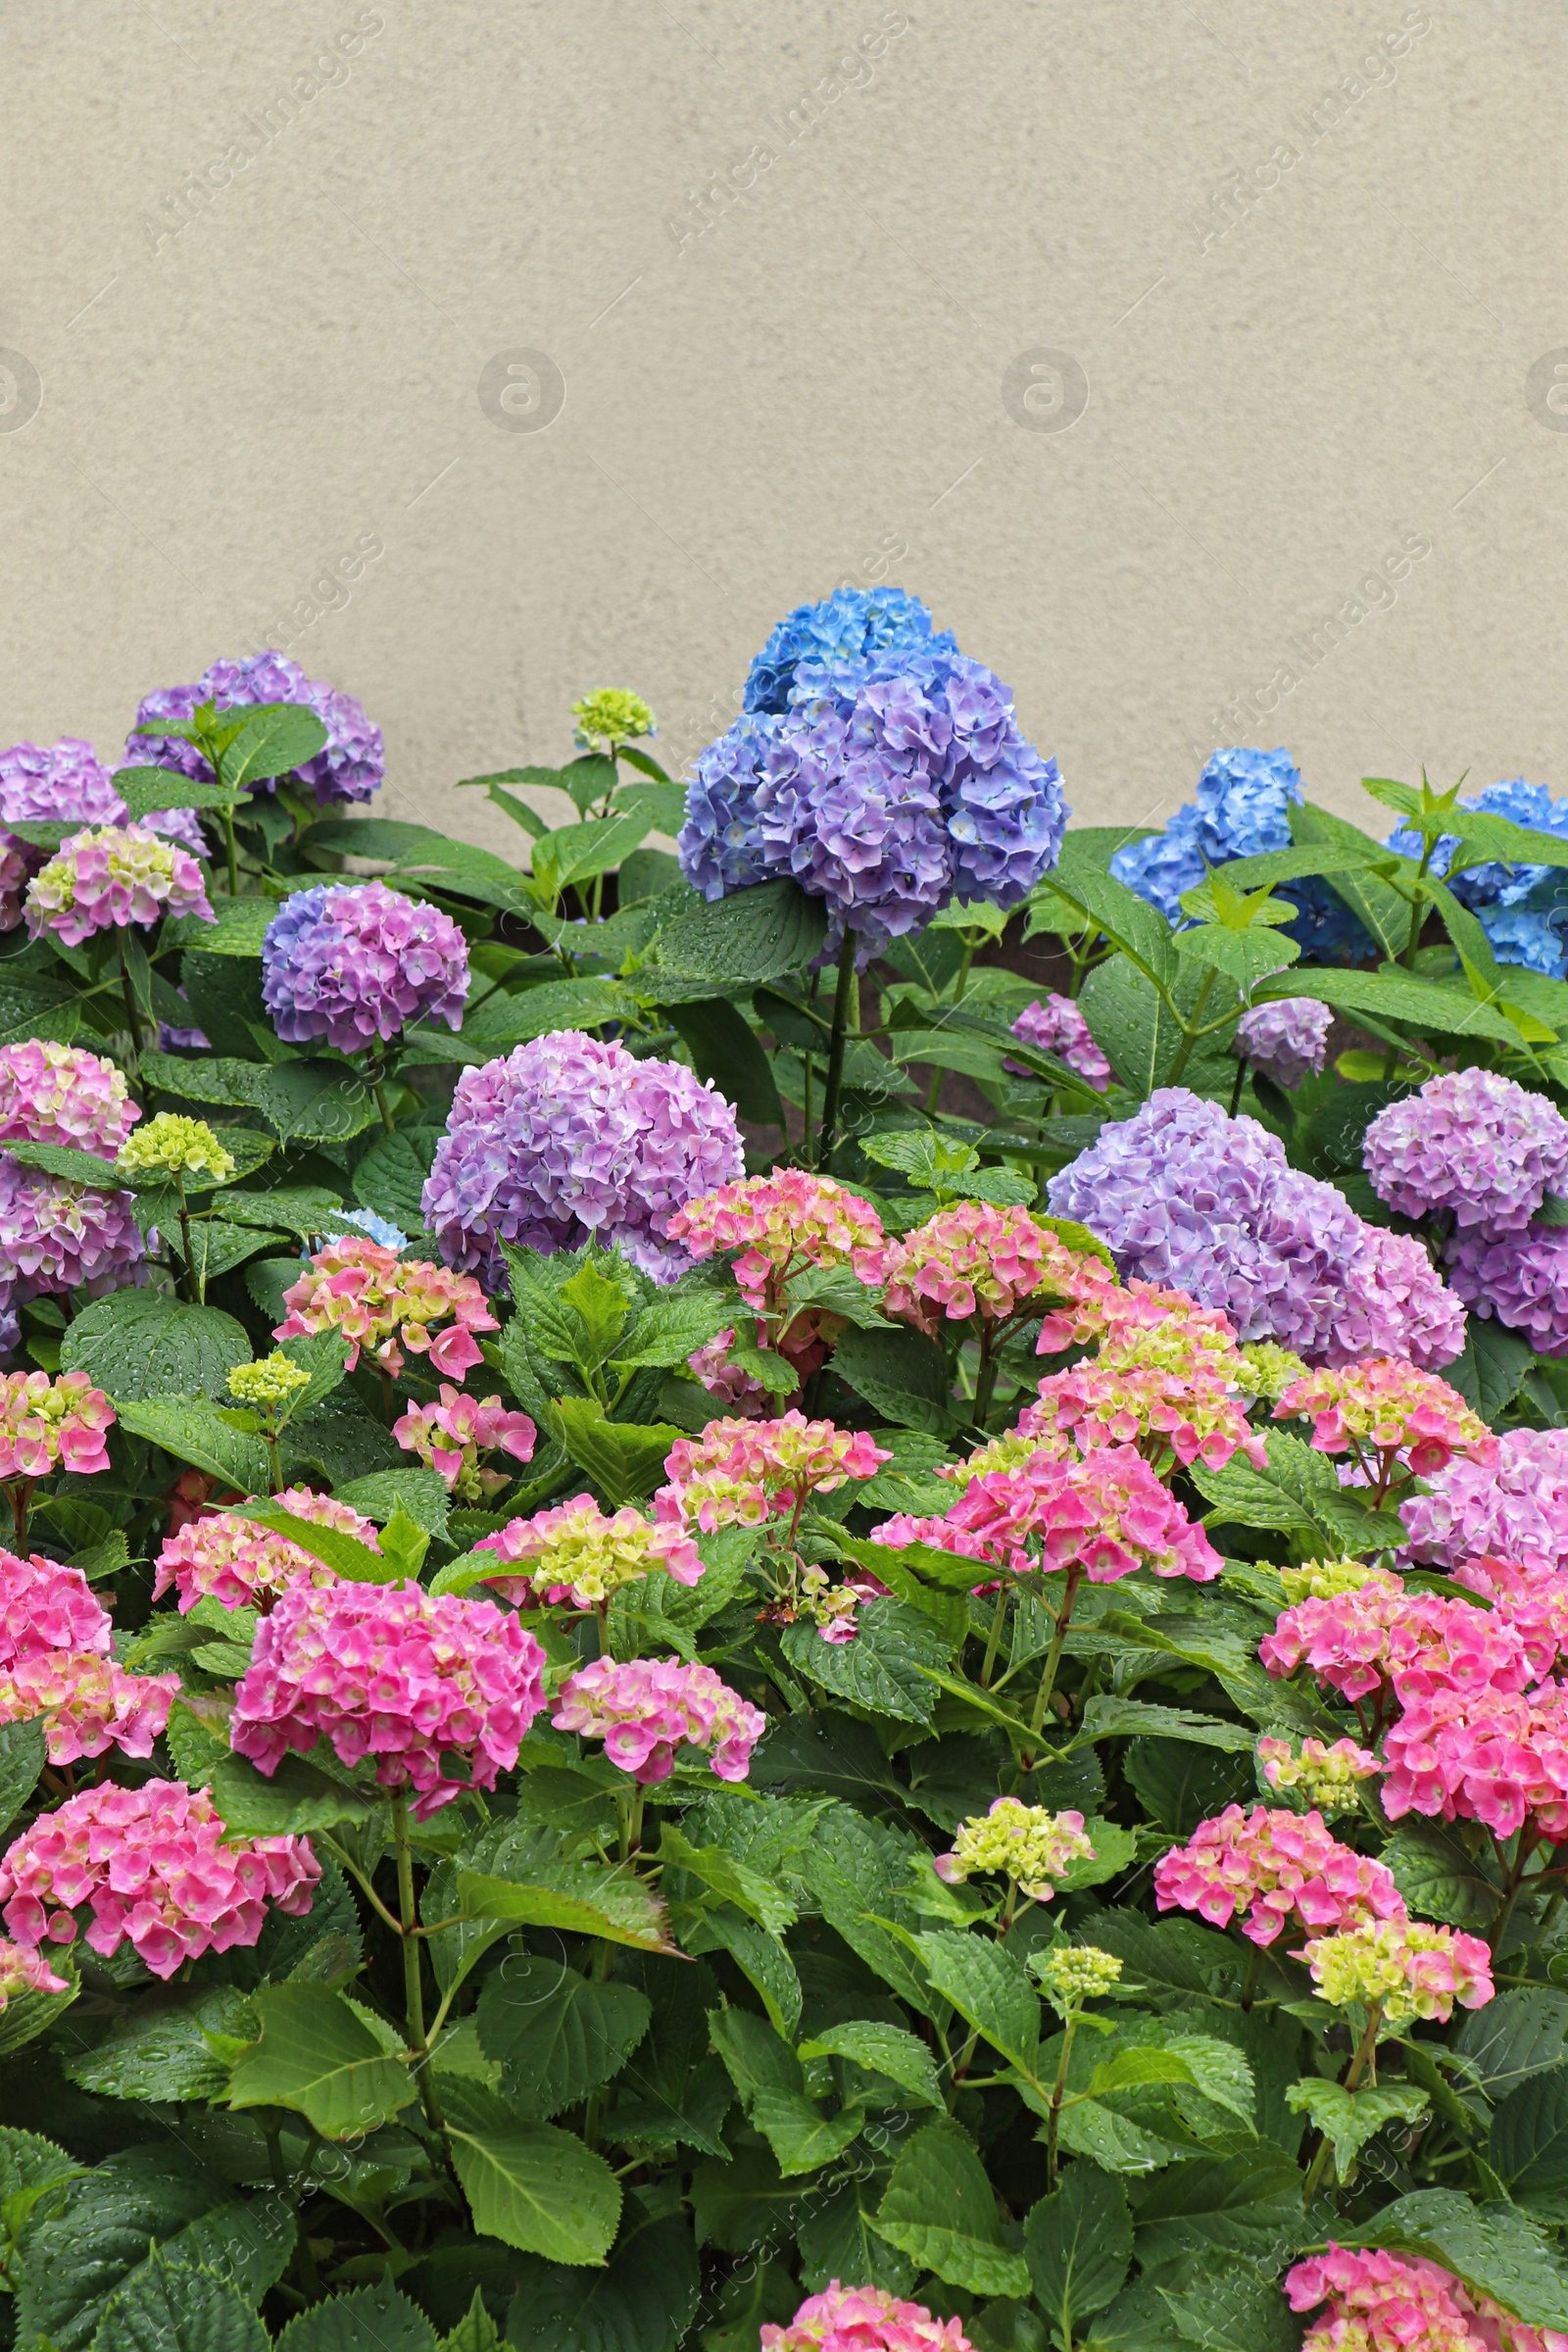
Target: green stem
1527	1846
378	1089
1241	1081
232	851
133	1009
1189	1030
413	1982
998	1618
276	1460
834	1087
1365	2056
985	1380
1253	1967
1070	2027
1048	1679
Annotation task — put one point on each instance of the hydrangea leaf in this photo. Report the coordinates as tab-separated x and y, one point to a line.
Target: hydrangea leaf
940	2210
378	2316
142	1344
1078	2244
1523	2032
1349	2119
316	2056
557	2035
643	2300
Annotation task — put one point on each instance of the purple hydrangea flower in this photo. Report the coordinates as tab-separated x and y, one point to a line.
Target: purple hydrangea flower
1054	1024
356	962
1288	1040
1184	1196
842	634
1394	1301
349	768
1519	1277
66	783
62	1237
1514	1507
570	1138
1470	1141
721	840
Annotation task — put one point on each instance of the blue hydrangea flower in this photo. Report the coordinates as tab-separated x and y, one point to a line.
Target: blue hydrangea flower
851	627
721	844
1533	934
1529	937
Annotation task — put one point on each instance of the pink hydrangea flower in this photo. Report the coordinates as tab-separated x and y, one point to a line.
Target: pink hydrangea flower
973	1260
222	1557
863	2319
1192	1410
1380	1638
741	1473
1327	1774
377	1300
21	1971
1403	1966
1274	1869
644	1708
781	1224
390	1671
45	1606
110	879
90	1704
1532	1603
1287	1040
577	1553
53	1093
1056	1025
1394	1301
1494	1756
51	1424
451	1434
1103	1517
730	1382
1382	1408
1473	1143
156	1868
1514	1506
1379	2302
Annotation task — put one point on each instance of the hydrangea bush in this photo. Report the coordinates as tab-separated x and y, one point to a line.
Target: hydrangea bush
810	1595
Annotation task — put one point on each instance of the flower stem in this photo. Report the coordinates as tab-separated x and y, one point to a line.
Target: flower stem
413	1985
834	1085
232	853
128	991
1048	1679
998	1618
378	1089
1070	2027
1241	1081
985	1380
1365	2056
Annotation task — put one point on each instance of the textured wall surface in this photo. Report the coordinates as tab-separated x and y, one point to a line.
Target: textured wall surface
1206	368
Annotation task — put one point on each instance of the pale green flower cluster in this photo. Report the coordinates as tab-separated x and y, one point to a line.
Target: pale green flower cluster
611	717
1024	1842
1403	1966
1073	1974
1328	1776
1270	1370
173	1145
1326	1579
269	1385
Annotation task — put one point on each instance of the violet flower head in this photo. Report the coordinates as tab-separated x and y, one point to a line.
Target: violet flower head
1514	1507
1473	1143
1054	1024
571	1138
1396	1302
1520	1278
349	768
1287	1040
65	782
53	1093
359	963
111	879
58	1237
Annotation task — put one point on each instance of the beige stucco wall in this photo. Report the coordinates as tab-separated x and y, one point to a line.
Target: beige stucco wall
1306	258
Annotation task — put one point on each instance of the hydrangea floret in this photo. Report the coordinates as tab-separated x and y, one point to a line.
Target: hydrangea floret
420	1682
450	1435
841	636
974	1259
1328	1776
1175	1401
1026	1843
645	1708
53	1093
1376	2302
357	963
231	1561
153	1867
1513	1506
110	879
1286	1041
610	717
1101	1517
1395	1421
1472	1143
89	1704
863	2319
1532	1603
1403	1968
1070	1974
1054	1024
1268	1371
384	1303
578	1553
57	1237
1272	1870
714	1367
268	1386
176	1147
1325	1580
52	1423
1382	1637
744	1473
64	783
45	1606
23	1971
571	1138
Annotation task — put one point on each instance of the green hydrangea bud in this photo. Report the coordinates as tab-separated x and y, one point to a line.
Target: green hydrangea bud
1270	1370
173	1145
269	1385
1326	1579
611	717
1069	1973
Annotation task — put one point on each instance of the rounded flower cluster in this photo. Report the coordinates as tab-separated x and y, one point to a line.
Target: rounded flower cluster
1381	1636
1327	1777
611	717
58	1236
1286	1041
1471	1142
1027	1843
90	1704
576	1552
1406	1968
1185	1195
1520	906
417	1682
889	795
110	879
1274	1869
1156	1391
46	1606
386	1303
225	1558
973	1260
779	1224
62	1095
1384	1406
1070	1974
841	638
863	2319
711	1366
156	1868
1489	1755
1055	1024
1520	1278
449	1436
1268	1371
1379	2303
48	1424
1324	1580
1532	1603
23	1971
741	1472
357	962
64	783
643	1709
268	1386
571	1139
171	1145
1101	1517
349	766
1513	1506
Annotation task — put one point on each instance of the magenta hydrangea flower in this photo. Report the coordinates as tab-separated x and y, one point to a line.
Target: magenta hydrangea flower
384	1302
56	1236
975	1260
155	1868
1514	1507
21	1971
1275	1870
66	783
110	879
576	1553
46	1606
1103	1517
1378	2302
349	768
1532	1602
570	1138
1472	1143
1494	1756
1520	1278
89	1704
1382	1408
1054	1024
48	1424
1381	1638
53	1093
644	1708
231	1561
780	1224
420	1682
711	1366
356	962
741	1473
450	1435
864	2319
1187	1407
1286	1041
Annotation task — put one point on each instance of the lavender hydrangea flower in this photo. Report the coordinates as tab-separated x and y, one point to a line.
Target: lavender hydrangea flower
58	1237
357	961
1288	1040
847	630
720	843
1514	1507
110	879
1054	1024
1519	1277
1473	1143
1184	1196
65	782
349	768
571	1138
1394	1301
